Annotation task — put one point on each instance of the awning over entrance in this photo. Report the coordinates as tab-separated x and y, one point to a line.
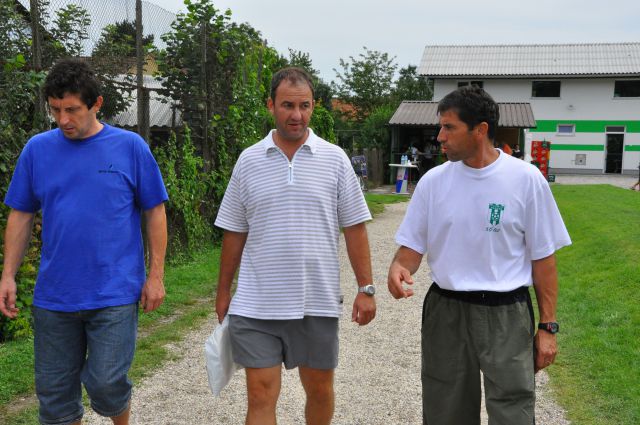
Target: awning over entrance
415	125
424	113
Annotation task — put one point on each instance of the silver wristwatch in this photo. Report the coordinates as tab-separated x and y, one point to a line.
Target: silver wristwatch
367	289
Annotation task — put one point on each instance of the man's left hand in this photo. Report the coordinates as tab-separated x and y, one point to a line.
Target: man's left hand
364	309
152	294
546	350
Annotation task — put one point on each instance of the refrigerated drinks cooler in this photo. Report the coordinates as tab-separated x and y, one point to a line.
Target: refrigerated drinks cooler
540	154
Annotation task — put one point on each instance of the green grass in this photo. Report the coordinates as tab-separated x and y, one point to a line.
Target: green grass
597	372
28	416
16	380
377	201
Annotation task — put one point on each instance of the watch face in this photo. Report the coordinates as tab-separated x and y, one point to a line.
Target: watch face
368	289
551	327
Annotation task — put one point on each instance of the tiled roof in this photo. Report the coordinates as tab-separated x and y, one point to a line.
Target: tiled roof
539	60
415	113
514	115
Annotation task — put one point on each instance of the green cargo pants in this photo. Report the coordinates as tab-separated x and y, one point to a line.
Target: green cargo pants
459	340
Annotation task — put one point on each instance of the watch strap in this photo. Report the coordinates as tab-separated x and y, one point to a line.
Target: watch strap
551	327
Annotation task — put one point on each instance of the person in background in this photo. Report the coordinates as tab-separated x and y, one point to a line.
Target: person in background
288	197
418	158
517	153
92	183
415	153
489	226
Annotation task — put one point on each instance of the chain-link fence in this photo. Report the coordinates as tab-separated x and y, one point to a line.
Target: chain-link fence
155	20
106	31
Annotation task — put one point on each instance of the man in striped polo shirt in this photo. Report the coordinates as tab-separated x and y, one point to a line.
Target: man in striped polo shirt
287	199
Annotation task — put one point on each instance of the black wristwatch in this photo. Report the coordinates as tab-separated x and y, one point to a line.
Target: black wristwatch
551	327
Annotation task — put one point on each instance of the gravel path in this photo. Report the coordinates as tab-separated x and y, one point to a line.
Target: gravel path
377	380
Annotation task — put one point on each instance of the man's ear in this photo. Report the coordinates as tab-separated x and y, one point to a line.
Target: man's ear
270	105
98	103
483	129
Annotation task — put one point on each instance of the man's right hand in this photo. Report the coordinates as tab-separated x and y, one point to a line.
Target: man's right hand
16	239
8	297
223	300
397	275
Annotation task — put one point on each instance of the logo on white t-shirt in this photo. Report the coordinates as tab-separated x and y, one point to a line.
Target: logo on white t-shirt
495	213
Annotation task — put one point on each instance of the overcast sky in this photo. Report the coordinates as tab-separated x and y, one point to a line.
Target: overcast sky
332	29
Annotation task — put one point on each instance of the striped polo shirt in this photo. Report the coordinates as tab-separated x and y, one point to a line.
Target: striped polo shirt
292	212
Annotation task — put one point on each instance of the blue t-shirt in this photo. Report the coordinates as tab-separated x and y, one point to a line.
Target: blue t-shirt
91	193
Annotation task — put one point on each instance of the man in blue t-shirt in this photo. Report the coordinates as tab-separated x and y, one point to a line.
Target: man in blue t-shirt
91	182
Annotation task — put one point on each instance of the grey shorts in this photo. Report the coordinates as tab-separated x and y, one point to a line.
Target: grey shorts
309	342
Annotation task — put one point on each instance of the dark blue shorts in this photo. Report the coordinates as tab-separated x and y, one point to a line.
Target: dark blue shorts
92	347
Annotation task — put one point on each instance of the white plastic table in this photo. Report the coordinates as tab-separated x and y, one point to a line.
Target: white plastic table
402	177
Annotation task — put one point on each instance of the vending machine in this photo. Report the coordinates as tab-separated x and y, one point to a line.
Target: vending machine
540	154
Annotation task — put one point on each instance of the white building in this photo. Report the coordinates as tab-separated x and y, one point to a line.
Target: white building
585	97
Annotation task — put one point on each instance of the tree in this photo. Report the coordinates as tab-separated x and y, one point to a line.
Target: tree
374	130
14	32
323	91
19	85
71	30
112	58
302	60
201	66
218	75
366	82
411	86
322	123
119	40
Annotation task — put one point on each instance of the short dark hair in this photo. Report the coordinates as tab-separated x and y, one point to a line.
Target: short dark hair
292	74
473	106
73	76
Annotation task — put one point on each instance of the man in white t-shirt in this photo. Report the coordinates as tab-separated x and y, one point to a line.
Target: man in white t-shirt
489	226
287	199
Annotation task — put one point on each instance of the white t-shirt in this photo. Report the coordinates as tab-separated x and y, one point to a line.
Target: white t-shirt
292	212
481	228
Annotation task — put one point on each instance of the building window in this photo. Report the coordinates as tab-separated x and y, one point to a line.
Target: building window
627	89
471	83
566	129
545	89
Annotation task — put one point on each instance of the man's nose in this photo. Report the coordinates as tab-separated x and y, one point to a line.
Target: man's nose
441	135
297	114
63	118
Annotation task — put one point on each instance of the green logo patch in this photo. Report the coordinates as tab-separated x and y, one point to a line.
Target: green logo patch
495	214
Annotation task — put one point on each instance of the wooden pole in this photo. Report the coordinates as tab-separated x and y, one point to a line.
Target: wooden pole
142	95
36	62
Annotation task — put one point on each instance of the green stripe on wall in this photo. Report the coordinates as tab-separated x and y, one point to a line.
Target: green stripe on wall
565	147
596	148
586	126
